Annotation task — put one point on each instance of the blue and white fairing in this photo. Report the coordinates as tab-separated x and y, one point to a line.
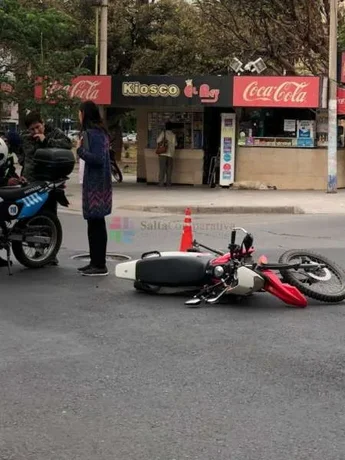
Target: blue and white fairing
32	204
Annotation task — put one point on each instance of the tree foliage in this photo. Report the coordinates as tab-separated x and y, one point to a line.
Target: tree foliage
291	36
38	42
167	37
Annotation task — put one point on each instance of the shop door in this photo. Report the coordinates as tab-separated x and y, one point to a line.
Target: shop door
212	128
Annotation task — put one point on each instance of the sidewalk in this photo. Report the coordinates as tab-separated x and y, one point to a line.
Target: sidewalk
134	196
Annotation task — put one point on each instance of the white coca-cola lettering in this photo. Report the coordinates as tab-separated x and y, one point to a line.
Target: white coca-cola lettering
82	89
288	91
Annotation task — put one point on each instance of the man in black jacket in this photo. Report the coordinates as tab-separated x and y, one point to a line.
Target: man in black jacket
39	136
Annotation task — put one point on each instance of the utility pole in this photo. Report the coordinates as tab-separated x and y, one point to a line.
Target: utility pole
103	58
104	38
332	104
97	41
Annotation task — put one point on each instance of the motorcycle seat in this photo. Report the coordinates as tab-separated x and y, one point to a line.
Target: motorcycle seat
172	271
13	193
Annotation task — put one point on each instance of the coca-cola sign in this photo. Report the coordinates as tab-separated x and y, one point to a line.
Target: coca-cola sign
341	101
302	92
94	88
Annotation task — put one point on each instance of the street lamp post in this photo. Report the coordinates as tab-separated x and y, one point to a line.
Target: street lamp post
332	104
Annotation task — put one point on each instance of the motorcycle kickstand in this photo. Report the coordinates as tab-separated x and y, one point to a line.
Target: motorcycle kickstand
9	263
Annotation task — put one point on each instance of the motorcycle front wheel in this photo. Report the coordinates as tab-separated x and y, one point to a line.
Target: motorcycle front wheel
37	255
325	284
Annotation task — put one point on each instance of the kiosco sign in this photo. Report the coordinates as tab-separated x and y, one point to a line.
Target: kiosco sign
171	91
302	92
138	89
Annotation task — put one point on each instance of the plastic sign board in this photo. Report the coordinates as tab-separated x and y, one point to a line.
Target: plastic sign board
294	92
227	150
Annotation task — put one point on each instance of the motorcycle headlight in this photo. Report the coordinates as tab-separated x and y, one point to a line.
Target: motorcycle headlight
218	271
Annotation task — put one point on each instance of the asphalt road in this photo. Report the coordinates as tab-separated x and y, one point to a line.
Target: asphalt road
89	369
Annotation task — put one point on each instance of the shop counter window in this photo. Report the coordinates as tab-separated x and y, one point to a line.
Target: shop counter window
277	128
188	127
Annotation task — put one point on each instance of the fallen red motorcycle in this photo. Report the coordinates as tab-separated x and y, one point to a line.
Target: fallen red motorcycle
235	274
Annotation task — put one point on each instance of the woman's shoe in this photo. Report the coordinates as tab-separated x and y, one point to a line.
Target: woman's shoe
82	269
93	271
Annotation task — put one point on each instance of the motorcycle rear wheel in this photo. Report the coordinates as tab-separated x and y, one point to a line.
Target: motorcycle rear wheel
305	285
54	224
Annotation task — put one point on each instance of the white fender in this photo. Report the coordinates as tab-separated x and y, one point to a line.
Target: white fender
127	270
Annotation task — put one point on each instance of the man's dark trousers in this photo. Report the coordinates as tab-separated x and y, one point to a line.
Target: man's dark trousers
165	169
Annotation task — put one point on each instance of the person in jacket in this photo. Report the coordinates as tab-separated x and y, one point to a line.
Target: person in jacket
93	148
8	175
166	160
39	135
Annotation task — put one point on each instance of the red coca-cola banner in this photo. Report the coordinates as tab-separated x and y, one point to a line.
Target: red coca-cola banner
96	88
341	101
302	92
342	69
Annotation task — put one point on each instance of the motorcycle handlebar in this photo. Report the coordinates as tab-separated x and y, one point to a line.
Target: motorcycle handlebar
233	234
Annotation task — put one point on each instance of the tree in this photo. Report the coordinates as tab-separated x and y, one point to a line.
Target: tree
291	36
37	42
166	37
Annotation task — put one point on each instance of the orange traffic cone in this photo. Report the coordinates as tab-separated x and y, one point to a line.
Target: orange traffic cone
187	232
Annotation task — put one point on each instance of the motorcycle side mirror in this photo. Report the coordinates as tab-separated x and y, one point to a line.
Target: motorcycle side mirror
248	241
193	302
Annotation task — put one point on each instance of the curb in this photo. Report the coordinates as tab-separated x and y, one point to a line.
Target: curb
217	209
73	212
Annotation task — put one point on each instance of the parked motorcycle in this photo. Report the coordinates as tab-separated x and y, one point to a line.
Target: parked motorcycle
28	227
234	274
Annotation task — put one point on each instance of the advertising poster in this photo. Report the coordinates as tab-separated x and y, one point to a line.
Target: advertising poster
305	133
290	126
227	151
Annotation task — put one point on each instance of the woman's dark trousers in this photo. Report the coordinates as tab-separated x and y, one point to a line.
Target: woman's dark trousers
98	238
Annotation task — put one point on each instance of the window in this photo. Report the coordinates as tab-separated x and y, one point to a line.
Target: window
188	127
277	128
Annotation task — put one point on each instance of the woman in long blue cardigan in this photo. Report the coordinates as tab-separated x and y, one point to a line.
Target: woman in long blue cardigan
93	148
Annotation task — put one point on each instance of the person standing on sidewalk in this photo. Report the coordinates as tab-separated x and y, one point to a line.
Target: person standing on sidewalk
93	148
166	160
